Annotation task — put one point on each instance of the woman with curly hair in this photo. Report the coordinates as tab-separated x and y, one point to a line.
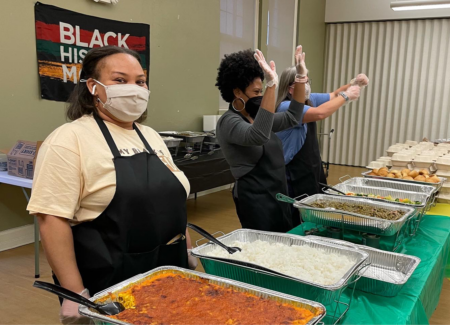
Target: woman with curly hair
246	136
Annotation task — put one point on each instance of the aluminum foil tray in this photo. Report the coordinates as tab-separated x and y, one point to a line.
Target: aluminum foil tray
325	294
242	287
387	272
353	221
423	198
383	183
187	136
437	186
172	143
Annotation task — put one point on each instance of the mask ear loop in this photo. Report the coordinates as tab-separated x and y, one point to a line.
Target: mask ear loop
232	104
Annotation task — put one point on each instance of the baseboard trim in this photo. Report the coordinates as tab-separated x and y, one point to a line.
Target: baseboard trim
16	237
213	190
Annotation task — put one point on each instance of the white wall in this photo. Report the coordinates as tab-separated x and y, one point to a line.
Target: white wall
372	10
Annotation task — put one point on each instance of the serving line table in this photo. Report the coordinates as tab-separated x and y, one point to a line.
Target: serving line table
24	183
419	297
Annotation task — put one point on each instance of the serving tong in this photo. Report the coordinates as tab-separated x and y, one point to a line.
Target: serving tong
112	308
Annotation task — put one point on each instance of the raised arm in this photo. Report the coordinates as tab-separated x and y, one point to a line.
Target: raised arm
325	110
361	80
294	115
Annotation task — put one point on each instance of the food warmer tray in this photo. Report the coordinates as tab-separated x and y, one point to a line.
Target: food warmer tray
413	196
437	186
325	294
387	183
242	287
420	209
387	272
172	143
187	136
350	220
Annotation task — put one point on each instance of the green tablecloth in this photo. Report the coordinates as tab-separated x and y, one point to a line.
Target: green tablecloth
419	297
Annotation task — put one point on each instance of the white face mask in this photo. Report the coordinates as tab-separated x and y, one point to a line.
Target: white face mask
125	102
307	91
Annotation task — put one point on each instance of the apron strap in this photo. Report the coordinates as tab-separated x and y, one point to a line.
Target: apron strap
108	137
147	146
112	144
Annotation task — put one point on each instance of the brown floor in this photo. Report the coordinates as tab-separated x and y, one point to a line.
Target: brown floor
23	304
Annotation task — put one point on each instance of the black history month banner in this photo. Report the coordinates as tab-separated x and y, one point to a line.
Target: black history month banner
64	37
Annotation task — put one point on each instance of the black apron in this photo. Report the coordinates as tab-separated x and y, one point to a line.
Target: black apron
255	193
130	236
305	170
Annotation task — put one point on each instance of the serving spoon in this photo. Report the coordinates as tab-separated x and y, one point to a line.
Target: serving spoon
112	308
207	235
331	188
284	198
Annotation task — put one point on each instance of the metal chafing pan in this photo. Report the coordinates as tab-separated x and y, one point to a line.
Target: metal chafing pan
357	189
187	136
437	186
387	183
314	307
172	143
353	221
420	193
387	271
325	294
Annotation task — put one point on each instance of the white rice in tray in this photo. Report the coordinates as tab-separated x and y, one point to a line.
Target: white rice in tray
302	262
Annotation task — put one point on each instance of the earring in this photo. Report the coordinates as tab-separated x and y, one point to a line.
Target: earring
243	102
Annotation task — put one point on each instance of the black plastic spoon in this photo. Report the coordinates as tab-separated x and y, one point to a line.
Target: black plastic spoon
332	188
207	235
112	308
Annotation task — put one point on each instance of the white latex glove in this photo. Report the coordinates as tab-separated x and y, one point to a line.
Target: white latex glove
270	71
192	260
300	64
353	93
68	313
360	80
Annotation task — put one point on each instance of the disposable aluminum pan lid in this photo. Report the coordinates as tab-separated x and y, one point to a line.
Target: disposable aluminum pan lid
409	211
384	266
386	183
239	286
384	192
249	236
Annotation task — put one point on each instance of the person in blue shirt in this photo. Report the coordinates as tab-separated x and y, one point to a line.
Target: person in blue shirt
304	168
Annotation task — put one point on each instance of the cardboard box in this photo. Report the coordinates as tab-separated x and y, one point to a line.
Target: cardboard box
21	159
38	146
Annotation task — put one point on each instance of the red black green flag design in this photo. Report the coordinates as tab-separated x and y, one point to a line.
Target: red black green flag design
64	37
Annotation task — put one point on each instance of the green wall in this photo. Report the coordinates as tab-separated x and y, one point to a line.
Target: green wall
184	61
311	34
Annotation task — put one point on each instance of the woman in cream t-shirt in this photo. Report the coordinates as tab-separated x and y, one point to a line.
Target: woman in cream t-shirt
110	202
75	175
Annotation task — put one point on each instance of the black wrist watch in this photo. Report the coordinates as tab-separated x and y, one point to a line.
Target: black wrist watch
344	95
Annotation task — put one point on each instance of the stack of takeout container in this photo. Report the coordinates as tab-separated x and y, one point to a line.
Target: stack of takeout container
387	161
396	148
402	159
443	170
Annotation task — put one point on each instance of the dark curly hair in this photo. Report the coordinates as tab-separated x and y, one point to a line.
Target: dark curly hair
237	70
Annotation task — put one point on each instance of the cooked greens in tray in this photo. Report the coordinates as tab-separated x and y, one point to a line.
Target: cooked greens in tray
361	209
